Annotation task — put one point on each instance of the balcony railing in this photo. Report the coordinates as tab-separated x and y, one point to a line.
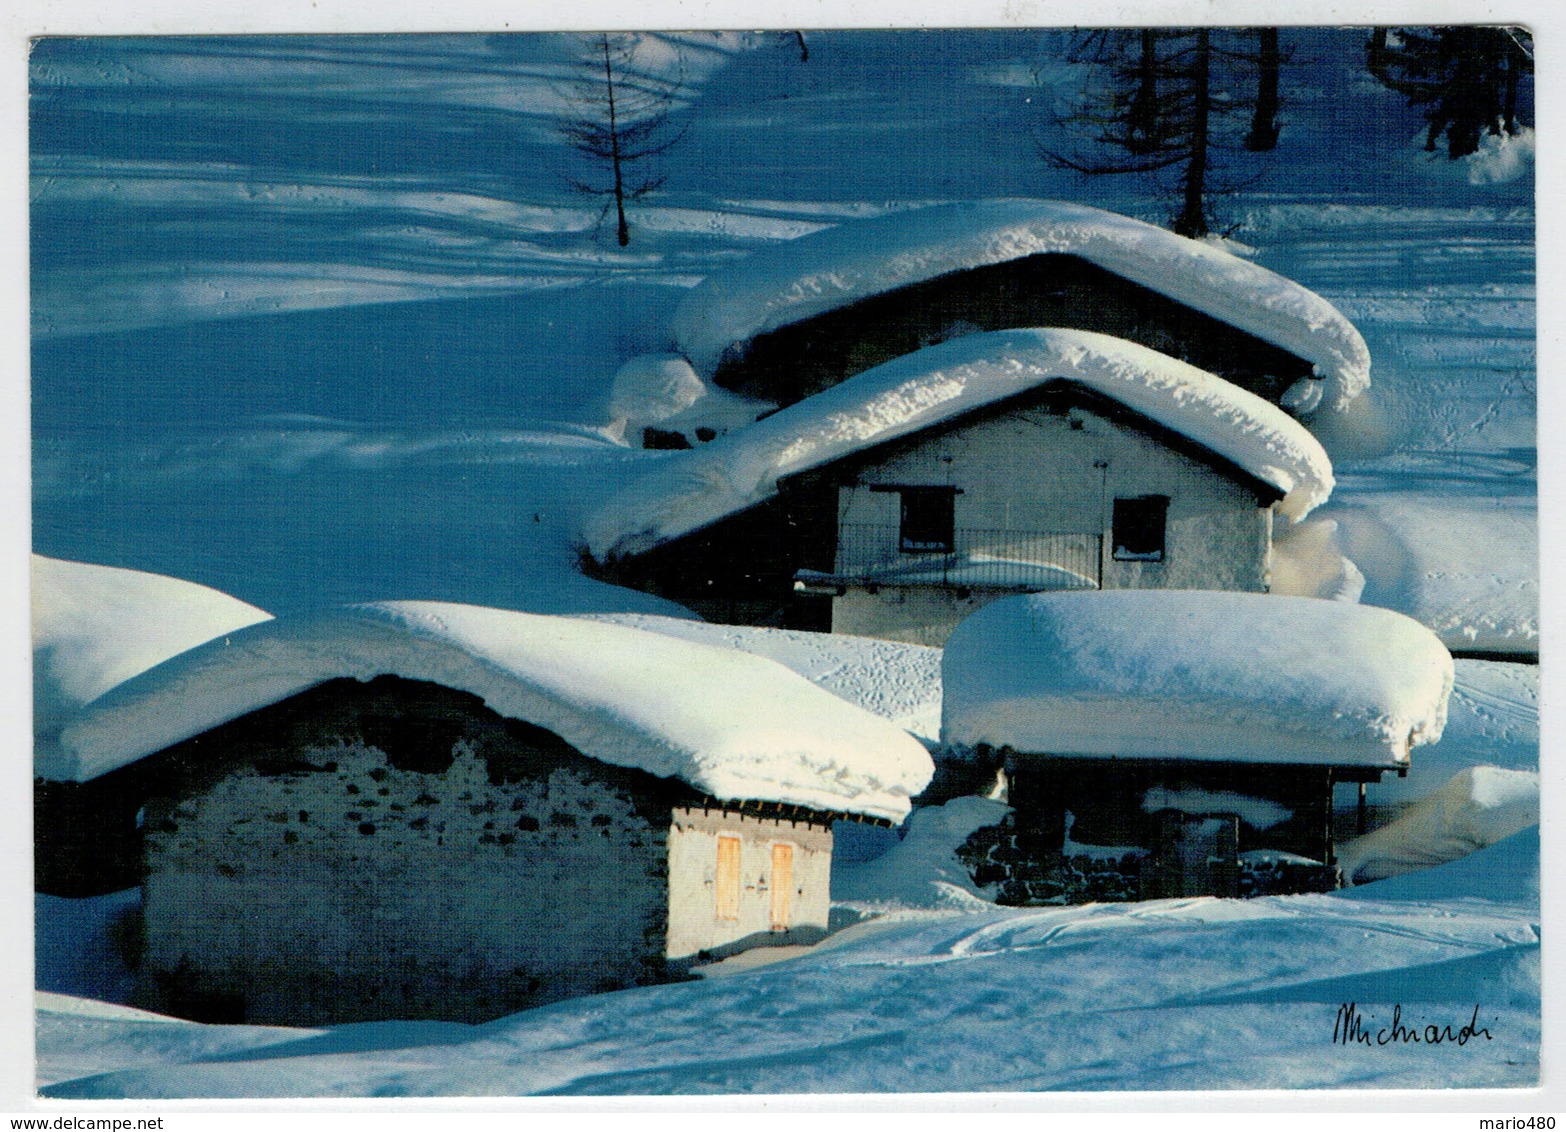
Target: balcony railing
870	554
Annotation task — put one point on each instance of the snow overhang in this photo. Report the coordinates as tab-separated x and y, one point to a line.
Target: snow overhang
691	490
836	266
732	725
1225	677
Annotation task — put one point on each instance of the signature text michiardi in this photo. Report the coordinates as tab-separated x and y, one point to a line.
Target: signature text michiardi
1354	1028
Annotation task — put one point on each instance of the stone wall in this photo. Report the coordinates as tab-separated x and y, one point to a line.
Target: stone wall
459	878
1055	470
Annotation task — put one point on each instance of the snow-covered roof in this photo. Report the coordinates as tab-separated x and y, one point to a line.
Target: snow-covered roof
732	725
97	626
690	490
836	266
1198	675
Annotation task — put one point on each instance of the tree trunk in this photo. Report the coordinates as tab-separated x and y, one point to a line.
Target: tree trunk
1264	125
1376	52
1509	96
624	230
1192	220
1142	117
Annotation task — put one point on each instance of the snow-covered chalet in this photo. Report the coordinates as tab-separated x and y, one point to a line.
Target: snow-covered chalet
799	317
1165	745
423	810
900	500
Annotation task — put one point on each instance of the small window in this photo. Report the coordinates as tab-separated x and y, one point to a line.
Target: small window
1139	528
782	886
927	520
728	877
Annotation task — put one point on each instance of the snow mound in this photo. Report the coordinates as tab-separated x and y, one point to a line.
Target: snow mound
96	626
922	870
1477	808
929	387
1187	674
1506	872
735	726
663	390
1499	158
840	265
1466	566
1307	563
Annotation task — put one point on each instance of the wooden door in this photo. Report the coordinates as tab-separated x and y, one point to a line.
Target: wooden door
782	886
728	877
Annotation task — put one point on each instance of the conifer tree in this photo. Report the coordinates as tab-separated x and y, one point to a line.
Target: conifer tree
1156	96
618	118
1469	81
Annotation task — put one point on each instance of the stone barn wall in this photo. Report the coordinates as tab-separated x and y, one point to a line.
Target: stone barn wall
1041	477
480	867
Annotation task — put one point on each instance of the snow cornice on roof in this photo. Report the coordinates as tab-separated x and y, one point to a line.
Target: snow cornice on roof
734	726
691	490
836	266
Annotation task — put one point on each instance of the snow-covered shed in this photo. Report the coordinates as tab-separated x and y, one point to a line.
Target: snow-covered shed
414	809
1002	462
797	318
1166	744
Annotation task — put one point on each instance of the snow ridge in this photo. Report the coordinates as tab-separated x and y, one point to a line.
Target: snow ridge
928	387
840	265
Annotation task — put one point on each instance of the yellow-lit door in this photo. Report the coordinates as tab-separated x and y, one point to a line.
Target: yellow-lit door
782	886
728	877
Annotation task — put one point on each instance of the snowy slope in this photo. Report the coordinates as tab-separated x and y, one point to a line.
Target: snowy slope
732	725
1169	994
690	490
1465	564
854	260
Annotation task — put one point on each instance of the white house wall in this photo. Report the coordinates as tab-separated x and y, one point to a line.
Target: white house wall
366	892
1037	471
694	924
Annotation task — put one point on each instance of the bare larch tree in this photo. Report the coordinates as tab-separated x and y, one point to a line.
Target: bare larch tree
618	118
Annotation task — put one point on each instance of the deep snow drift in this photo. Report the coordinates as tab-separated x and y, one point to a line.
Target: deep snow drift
835	267
730	724
1183	674
690	490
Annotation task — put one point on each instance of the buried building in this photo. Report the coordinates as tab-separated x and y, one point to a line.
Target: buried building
799	317
1179	744
904	498
419	810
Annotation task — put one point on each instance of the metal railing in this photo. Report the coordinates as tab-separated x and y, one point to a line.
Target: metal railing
871	554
